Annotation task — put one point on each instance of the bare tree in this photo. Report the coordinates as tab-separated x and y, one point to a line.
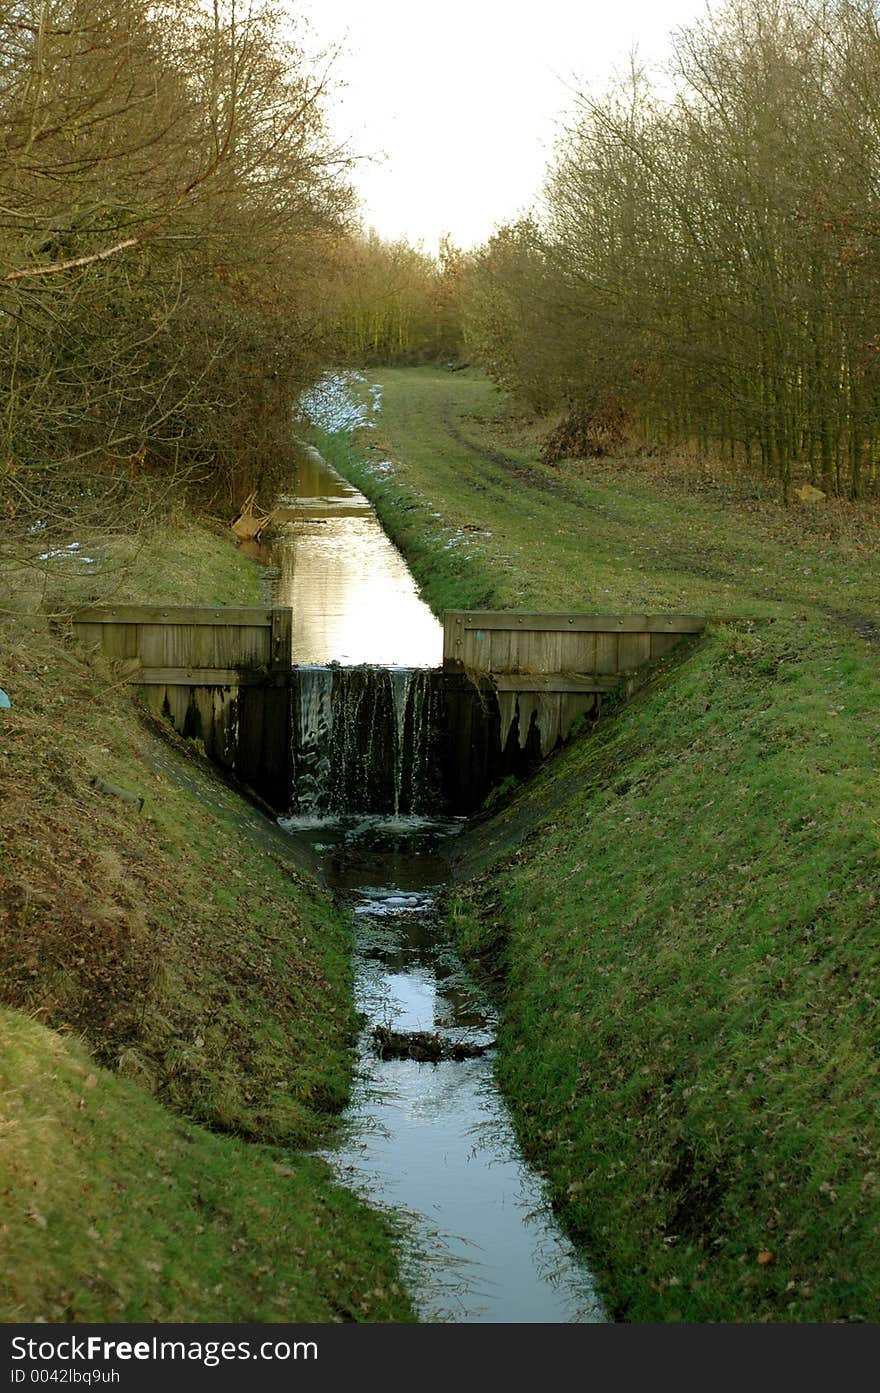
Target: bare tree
167	193
710	258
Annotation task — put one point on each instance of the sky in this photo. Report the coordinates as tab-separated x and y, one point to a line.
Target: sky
454	106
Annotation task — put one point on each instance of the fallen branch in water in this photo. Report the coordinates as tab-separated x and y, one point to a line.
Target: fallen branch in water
422	1045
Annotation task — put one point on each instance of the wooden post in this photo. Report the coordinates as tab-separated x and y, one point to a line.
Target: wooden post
282	640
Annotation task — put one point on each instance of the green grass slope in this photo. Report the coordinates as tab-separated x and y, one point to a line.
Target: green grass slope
115	1210
183	942
198	961
687	943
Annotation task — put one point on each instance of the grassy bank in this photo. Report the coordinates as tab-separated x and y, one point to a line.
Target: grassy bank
681	911
482	519
184	945
116	1210
689	931
450	574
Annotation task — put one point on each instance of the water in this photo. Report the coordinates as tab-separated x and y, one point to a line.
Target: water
366	739
434	1140
351	592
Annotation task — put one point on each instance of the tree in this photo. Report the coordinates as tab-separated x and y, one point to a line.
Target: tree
707	262
394	303
167	194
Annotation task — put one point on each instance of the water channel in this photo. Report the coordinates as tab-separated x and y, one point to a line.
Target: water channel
433	1140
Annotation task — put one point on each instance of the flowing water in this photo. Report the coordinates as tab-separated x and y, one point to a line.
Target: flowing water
365	740
433	1140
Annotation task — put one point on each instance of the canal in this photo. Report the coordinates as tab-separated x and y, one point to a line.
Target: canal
427	1133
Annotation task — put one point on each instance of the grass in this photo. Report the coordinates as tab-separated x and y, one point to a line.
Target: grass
689	930
630	534
115	1210
182	560
193	955
449	573
680	911
189	562
148	932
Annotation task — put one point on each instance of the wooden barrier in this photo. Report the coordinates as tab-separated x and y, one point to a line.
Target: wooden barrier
512	641
220	675
523	680
513	683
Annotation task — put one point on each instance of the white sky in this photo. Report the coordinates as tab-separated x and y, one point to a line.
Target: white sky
459	100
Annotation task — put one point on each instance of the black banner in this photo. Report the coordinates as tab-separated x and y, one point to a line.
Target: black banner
268	1357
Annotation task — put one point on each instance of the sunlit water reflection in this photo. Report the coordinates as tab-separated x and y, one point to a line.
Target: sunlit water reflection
436	1140
352	595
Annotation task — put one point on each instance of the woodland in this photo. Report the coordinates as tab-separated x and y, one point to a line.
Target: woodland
181	255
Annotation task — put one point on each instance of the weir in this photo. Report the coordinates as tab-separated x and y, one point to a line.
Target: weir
344	705
314	739
365	740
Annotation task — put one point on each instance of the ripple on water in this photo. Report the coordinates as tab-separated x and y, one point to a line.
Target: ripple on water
436	1141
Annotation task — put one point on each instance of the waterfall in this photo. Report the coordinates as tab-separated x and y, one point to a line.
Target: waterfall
401	681
312	736
365	740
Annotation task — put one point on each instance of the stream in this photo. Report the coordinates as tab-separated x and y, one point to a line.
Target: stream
431	1140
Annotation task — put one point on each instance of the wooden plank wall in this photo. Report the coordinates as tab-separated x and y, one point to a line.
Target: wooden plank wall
548	669
219	674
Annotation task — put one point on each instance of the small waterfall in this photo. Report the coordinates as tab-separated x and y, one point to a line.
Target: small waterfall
422	765
401	681
312	732
365	740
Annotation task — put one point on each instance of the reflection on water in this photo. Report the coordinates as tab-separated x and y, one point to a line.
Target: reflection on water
435	1140
353	598
315	478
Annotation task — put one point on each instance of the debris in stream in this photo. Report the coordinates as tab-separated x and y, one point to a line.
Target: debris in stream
422	1045
247	525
